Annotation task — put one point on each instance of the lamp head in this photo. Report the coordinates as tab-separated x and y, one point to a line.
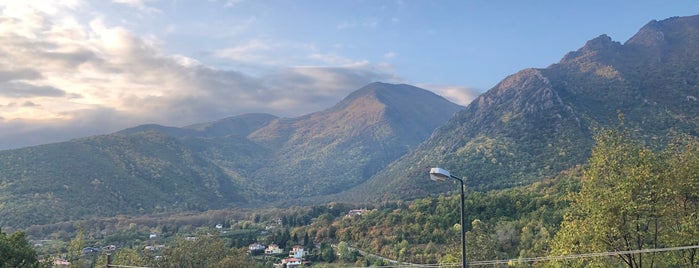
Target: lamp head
439	174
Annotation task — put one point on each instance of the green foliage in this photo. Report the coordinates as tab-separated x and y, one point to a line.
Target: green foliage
633	198
482	241
501	224
327	253
16	252
107	176
75	246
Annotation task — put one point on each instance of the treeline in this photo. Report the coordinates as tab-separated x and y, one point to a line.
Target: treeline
425	230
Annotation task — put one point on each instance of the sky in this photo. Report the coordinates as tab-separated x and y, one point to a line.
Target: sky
75	68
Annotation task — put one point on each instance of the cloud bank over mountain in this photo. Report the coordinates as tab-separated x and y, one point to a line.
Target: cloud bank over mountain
65	72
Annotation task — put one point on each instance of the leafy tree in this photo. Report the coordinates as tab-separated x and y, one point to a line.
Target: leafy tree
346	253
683	178
628	202
124	256
237	258
15	251
482	244
327	253
75	250
204	251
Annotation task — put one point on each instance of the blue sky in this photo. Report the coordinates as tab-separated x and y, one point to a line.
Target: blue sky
72	68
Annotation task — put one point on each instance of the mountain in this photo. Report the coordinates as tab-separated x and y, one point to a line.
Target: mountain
240	125
538	122
333	150
247	160
109	175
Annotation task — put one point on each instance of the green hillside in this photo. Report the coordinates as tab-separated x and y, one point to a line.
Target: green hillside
109	175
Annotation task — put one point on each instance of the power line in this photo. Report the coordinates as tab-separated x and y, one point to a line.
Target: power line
520	260
125	266
578	256
548	258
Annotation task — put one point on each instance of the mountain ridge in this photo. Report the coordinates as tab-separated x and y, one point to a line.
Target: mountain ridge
538	122
225	163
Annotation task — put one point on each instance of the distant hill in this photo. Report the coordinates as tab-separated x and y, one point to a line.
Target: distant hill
109	175
333	150
539	122
241	125
247	160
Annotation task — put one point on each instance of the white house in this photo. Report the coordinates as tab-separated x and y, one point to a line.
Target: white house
273	249
255	247
297	252
292	262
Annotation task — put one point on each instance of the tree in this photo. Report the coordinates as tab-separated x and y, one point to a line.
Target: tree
327	253
15	251
123	256
75	250
628	201
346	253
683	175
482	243
206	251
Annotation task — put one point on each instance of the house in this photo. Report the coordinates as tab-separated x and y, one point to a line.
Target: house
355	212
273	249
154	248
292	262
256	248
297	252
58	262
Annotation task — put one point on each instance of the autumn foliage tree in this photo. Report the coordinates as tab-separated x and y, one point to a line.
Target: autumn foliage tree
633	198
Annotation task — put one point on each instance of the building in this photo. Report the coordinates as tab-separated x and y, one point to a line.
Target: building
273	249
297	252
256	248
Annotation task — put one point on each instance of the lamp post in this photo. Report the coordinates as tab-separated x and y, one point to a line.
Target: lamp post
439	174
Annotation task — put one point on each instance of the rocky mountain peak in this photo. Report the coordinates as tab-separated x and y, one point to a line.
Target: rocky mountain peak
599	48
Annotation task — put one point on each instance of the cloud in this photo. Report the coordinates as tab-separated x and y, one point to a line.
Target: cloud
62	78
21	90
251	51
457	94
139	4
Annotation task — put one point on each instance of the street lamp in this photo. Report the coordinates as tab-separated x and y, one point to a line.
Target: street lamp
439	174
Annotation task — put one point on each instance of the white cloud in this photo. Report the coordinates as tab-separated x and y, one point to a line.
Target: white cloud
61	78
252	51
457	94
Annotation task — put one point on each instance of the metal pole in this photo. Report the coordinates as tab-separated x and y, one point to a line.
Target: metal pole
463	230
